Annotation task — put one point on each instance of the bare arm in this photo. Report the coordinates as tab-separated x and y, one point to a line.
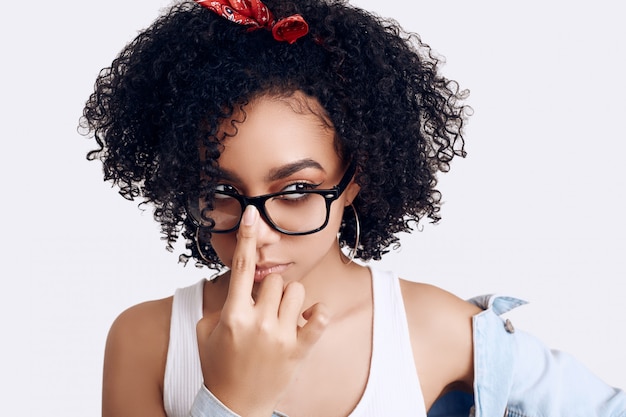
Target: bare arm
134	361
440	325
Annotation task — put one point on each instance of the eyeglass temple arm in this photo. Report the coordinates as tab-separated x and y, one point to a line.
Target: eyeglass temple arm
347	177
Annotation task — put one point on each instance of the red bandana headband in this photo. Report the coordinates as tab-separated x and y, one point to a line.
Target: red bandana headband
255	14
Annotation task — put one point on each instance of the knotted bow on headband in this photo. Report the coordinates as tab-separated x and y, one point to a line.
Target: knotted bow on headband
255	14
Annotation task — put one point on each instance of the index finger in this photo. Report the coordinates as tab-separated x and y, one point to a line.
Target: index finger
244	258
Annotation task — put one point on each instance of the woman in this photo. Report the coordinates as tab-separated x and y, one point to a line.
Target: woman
270	136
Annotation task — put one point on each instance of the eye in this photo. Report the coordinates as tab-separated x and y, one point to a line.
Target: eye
292	192
223	190
300	186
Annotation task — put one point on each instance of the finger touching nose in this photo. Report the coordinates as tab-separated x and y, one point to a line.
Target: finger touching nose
265	233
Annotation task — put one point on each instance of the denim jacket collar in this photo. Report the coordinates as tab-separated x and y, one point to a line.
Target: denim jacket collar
493	350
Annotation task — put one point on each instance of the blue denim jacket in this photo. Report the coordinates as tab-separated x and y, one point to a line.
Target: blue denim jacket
515	375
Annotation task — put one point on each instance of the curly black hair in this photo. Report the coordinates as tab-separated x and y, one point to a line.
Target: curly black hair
394	115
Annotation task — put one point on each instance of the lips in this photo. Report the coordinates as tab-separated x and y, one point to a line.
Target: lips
264	270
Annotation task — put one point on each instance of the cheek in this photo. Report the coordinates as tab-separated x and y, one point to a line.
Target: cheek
326	238
336	214
224	246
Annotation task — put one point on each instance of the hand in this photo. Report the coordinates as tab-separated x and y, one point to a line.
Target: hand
251	353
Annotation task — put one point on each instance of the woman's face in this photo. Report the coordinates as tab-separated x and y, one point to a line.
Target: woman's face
283	143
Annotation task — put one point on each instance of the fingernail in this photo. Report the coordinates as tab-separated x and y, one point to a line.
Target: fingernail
249	215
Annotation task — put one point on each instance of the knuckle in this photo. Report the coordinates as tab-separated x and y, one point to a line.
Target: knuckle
294	291
234	321
265	327
245	232
322	316
324	320
241	263
296	287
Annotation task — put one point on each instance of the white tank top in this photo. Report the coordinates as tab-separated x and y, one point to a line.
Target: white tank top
392	388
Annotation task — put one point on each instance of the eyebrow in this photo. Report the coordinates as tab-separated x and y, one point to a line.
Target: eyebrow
289	169
277	173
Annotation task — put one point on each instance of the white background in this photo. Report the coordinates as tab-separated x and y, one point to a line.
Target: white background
536	210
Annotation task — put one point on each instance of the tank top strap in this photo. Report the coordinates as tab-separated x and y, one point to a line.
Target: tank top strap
393	386
183	372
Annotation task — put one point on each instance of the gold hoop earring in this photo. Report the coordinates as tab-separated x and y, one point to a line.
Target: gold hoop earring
353	250
199	247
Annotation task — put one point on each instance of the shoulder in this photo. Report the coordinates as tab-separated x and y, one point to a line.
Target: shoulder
142	325
135	356
140	332
436	315
428	304
440	326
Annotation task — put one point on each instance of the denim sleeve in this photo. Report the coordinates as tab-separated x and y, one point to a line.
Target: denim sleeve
558	384
207	405
516	372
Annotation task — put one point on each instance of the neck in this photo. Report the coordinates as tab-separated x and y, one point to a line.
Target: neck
338	284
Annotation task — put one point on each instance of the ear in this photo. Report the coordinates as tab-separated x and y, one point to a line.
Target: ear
352	190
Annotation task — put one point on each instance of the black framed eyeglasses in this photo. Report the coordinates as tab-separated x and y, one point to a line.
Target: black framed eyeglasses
294	212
